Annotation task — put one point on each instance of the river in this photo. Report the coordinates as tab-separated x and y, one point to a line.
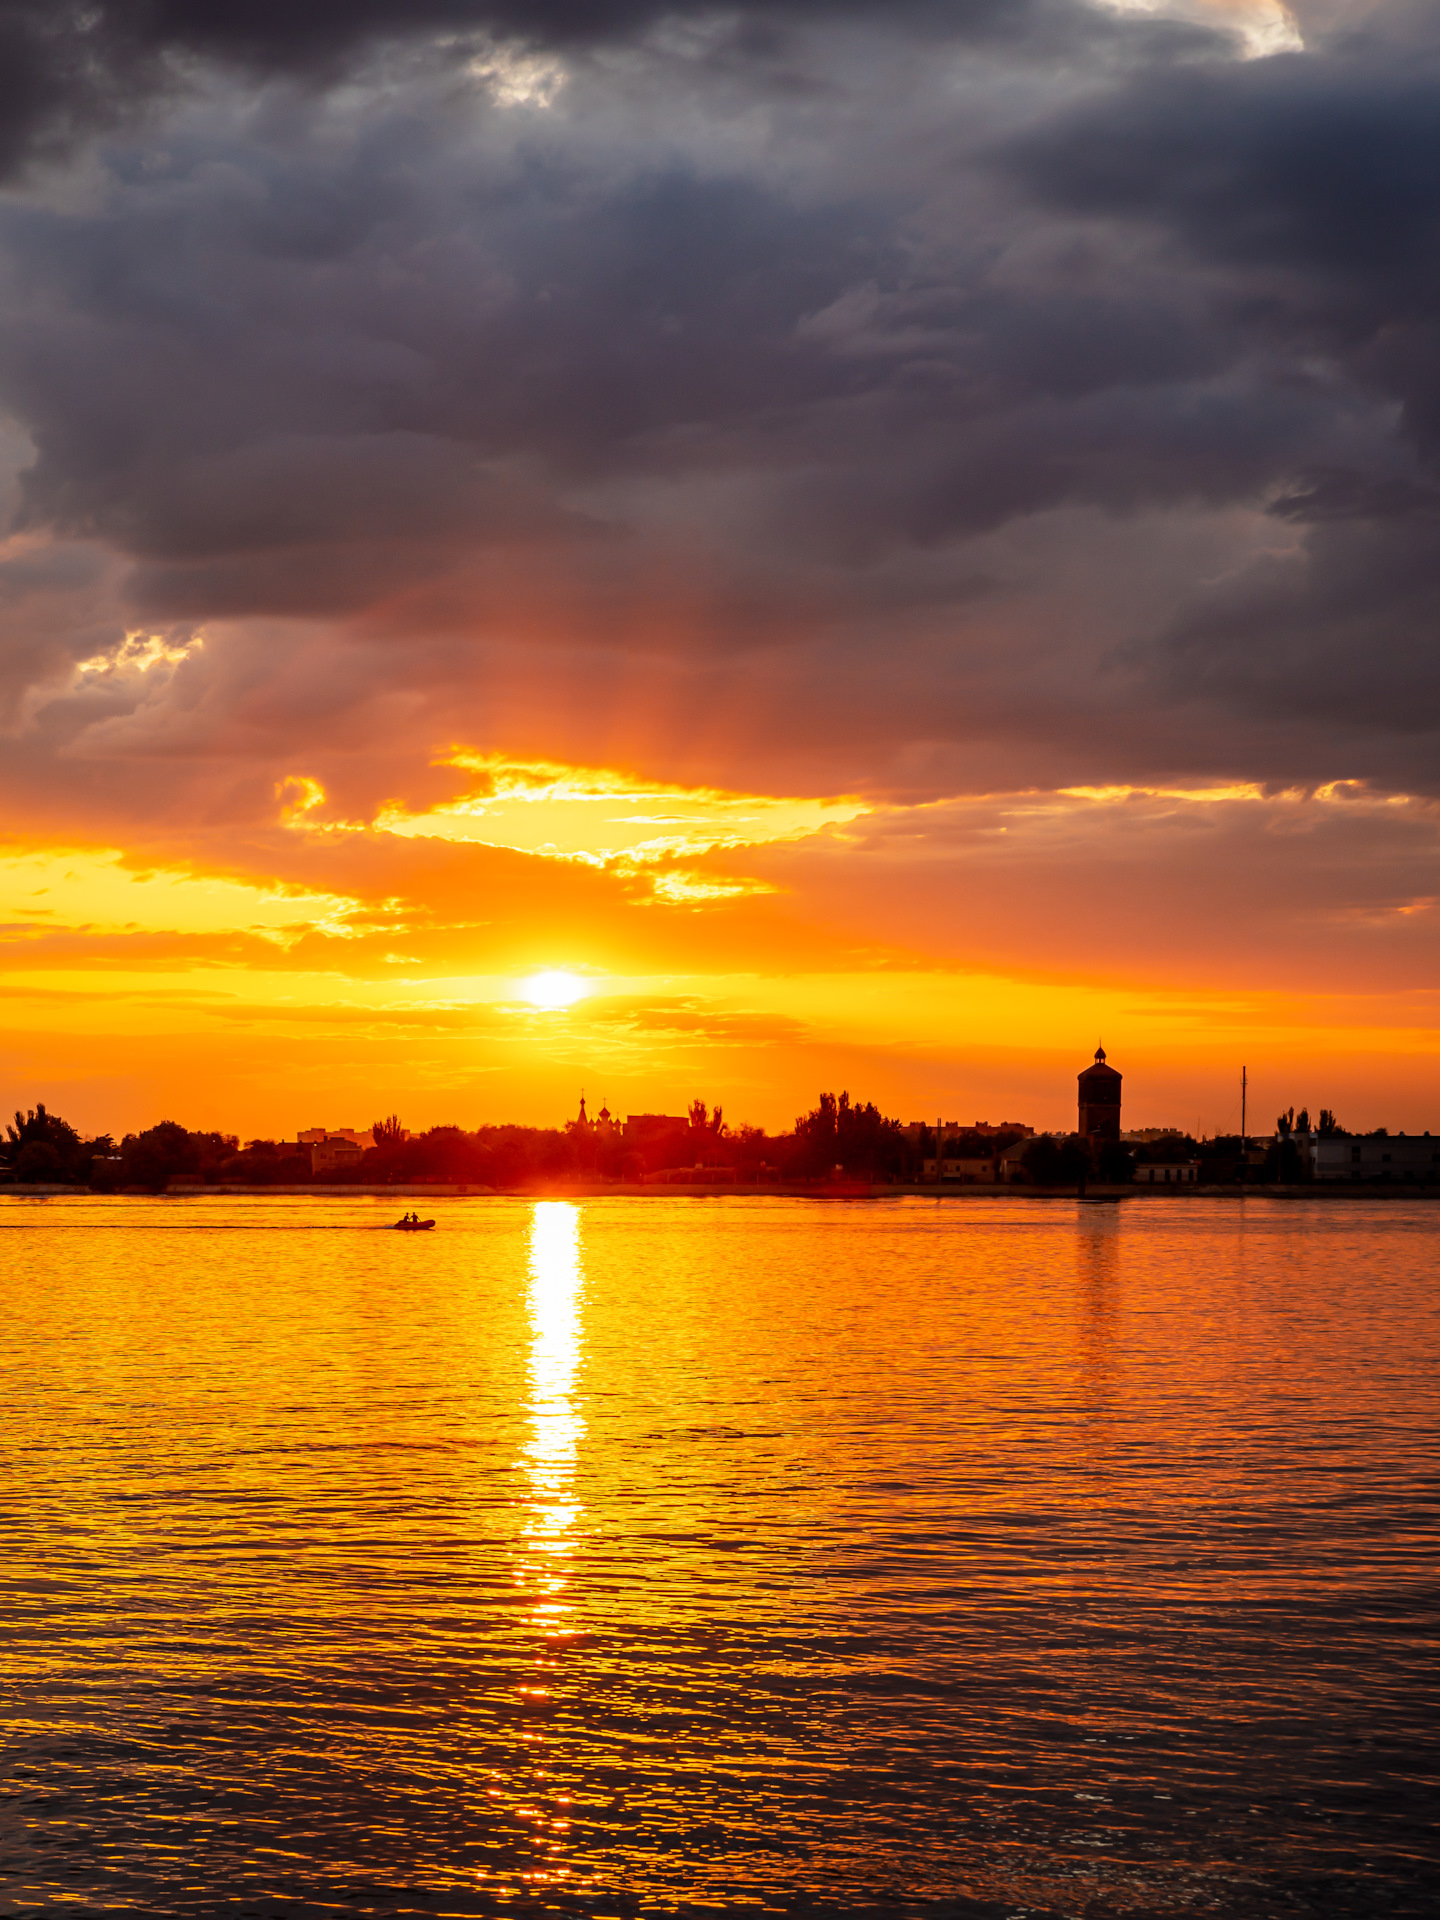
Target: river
681	1555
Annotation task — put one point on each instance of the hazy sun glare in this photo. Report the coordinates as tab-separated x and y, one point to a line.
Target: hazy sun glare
134	992
554	988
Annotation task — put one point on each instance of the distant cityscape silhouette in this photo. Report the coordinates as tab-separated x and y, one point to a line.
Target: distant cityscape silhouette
840	1144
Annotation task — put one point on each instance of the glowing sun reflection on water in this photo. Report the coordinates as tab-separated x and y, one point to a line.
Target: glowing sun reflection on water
549	1531
556	1427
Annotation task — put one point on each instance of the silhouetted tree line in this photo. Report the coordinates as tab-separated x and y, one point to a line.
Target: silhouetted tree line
837	1133
837	1136
856	1140
41	1147
1058	1161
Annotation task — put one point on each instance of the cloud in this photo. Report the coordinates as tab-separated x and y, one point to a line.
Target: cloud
72	68
524	372
63	889
920	404
610	819
1336	886
1308	187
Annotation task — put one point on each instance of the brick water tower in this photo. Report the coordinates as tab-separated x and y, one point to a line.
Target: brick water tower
1100	1101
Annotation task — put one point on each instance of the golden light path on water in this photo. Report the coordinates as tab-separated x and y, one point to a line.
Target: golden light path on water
551	1511
556	1427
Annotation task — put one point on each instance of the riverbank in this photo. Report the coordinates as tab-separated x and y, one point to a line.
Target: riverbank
712	1190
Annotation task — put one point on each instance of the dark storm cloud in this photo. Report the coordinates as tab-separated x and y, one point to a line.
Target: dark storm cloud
68	67
1312	181
181	355
259	349
1326	163
1346	633
858	364
1315	177
291	32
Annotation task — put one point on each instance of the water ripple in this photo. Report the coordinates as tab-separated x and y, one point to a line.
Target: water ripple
666	1556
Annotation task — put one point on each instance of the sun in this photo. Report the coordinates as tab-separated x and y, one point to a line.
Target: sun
554	988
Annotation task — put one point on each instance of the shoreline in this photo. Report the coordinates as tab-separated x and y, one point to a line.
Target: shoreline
716	1190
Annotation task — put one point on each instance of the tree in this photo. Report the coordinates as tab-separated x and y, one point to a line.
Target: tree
1116	1163
388	1133
749	1150
37	1124
1285	1123
857	1138
37	1160
444	1153
159	1155
1055	1163
1282	1158
40	1146
266	1163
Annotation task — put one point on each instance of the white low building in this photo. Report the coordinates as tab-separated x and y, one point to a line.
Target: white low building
1167	1173
1401	1156
971	1169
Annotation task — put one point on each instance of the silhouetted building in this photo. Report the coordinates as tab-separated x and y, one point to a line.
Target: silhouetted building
971	1155
1173	1173
1162	1165
1370	1157
1099	1101
1164	1157
971	1162
643	1128
332	1147
1010	1165
915	1130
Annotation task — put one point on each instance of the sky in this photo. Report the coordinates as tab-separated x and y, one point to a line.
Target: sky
890	541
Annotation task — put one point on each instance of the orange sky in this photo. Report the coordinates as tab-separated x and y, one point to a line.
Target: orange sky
889	552
958	957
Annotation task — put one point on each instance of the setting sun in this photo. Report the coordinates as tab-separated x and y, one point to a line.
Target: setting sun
554	989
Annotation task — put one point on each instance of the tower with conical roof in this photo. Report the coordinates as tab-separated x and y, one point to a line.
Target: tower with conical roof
1100	1101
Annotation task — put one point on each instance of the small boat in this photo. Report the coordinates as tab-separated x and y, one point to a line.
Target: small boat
413	1226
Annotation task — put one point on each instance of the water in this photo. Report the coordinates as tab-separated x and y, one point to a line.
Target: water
672	1555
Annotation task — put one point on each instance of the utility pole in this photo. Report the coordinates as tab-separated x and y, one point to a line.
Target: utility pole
1244	1089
